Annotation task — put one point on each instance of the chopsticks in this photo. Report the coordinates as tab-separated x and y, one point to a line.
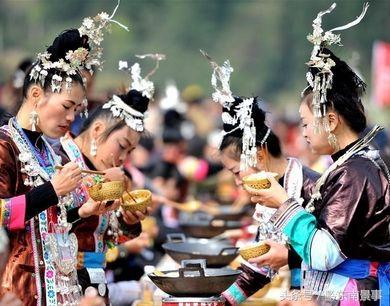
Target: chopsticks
84	171
134	200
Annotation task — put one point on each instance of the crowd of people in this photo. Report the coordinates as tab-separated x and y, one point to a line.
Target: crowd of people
325	215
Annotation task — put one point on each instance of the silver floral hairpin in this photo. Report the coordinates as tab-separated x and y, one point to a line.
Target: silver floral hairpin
321	81
119	109
220	80
78	59
133	118
94	28
242	118
143	85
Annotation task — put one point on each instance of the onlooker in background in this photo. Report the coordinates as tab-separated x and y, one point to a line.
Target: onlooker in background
144	156
11	95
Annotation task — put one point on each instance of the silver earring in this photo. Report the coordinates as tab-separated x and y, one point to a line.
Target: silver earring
34	119
332	140
93	150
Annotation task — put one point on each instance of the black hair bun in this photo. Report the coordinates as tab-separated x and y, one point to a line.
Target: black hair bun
346	92
258	115
232	112
345	81
66	41
136	100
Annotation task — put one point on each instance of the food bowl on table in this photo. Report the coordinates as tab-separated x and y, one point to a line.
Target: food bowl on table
254	250
136	200
108	191
259	180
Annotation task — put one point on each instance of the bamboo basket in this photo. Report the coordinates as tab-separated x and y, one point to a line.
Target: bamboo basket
254	250
142	197
258	180
108	191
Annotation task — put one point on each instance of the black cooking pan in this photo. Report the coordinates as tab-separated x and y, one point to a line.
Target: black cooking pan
206	228
216	253
194	280
227	213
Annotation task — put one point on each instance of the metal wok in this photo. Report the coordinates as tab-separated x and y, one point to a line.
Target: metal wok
200	228
194	280
228	213
216	253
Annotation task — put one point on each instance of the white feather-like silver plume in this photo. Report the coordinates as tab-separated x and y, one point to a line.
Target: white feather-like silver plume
322	81
220	80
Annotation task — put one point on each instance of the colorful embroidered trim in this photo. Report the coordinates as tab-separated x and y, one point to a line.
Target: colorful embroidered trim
13	212
235	295
91	260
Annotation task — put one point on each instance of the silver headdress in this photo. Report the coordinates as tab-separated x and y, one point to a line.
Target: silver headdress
143	85
133	118
243	112
222	94
322	80
78	59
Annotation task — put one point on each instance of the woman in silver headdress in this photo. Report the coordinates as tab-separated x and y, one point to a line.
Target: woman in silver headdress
295	178
343	233
35	197
108	137
248	146
30	187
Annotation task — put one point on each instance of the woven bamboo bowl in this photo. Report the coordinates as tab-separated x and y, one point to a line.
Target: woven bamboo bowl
108	191
142	198
258	180
254	250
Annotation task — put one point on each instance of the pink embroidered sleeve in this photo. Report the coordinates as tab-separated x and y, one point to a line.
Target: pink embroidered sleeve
13	212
